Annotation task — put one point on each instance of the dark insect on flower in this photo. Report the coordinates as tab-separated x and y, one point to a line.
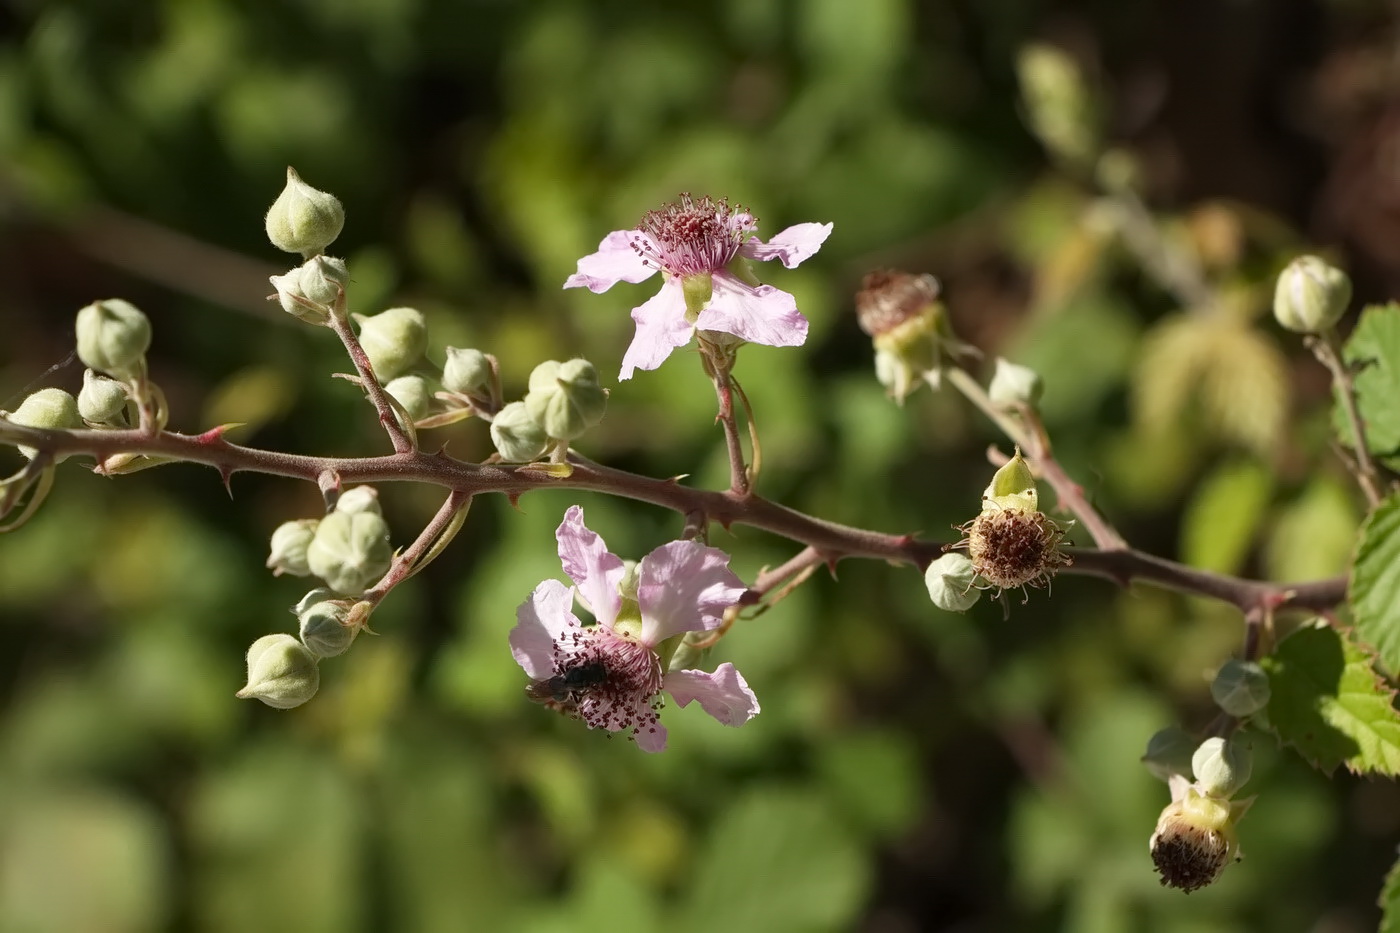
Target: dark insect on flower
562	691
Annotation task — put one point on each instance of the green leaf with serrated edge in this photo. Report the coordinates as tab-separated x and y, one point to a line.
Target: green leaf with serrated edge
1374	350
1389	902
1375	583
1329	703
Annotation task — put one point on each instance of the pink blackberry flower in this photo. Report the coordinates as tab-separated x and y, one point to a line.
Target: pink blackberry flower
694	243
610	674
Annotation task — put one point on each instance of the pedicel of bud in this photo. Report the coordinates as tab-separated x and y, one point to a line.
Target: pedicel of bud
290	541
565	398
359	499
50	409
1222	767
466	372
1240	688
517	437
1169	753
1311	295
1195	838
281	672
113	336
1014	385
413	393
325	628
393	340
350	550
101	400
303	219
951	583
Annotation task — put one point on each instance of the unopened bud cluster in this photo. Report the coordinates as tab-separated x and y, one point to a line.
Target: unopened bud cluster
564	400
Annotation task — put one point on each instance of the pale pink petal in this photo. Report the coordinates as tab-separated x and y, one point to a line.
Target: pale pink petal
793	245
541	620
595	571
651	738
616	261
759	314
661	328
684	586
725	694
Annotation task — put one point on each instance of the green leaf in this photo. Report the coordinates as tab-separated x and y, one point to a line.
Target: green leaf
1375	583
1219	525
777	860
1330	704
1374	346
1389	902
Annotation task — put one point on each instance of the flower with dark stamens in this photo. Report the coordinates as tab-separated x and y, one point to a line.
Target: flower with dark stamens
701	247
611	674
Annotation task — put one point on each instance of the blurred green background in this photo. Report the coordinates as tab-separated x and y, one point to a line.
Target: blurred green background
911	770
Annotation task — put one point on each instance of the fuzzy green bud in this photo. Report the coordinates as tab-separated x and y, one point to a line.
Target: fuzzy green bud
1014	385
359	499
325	629
1240	688
350	551
565	398
1221	766
393	340
311	291
1169	753
951	583
303	219
101	400
113	336
1311	296
50	409
518	438
413	393
289	543
281	672
466	371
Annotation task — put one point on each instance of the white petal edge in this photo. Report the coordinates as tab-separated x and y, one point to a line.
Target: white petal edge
684	586
615	261
791	246
761	314
594	569
542	619
661	328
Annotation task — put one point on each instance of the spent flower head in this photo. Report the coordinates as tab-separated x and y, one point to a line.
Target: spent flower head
701	247
1011	543
1195	836
611	674
909	328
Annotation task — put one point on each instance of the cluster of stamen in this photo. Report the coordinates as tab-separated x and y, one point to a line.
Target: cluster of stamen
692	235
625	695
888	298
1189	857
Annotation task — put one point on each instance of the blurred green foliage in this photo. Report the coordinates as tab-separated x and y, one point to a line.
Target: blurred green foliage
911	770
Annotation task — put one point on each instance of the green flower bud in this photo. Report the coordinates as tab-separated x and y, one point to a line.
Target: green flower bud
466	371
303	219
359	499
324	629
1221	766
281	672
517	437
1169	753
393	340
289	543
1059	108
565	398
1311	296
1240	688
102	400
310	291
1014	385
413	393
113	336
951	583
350	550
51	409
